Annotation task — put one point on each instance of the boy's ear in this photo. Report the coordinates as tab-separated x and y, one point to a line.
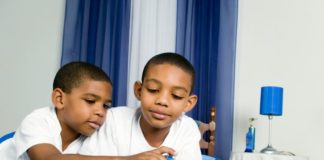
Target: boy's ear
137	89
57	98
192	100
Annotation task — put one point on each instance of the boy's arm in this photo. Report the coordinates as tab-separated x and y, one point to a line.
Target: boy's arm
49	152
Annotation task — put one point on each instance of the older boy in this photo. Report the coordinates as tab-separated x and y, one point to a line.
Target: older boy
165	94
81	95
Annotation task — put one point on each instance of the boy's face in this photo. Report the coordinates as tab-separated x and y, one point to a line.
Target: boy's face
164	95
84	109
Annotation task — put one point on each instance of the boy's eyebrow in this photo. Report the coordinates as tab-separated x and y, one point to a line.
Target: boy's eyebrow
97	97
181	88
153	80
177	87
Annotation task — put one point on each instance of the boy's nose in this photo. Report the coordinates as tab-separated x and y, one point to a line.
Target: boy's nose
100	111
162	99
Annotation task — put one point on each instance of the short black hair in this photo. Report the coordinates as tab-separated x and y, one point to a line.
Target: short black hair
72	74
173	59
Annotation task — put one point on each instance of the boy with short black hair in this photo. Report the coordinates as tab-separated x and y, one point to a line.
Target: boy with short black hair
165	94
81	95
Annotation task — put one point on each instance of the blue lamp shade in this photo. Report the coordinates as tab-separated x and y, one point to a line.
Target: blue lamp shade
271	101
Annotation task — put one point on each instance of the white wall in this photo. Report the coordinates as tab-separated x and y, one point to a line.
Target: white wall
30	38
280	42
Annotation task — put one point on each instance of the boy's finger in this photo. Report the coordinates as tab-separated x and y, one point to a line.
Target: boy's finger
164	149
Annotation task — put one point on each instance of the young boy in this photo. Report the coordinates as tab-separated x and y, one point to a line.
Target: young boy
165	94
81	95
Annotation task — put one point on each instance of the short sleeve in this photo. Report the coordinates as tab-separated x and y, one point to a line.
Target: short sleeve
36	128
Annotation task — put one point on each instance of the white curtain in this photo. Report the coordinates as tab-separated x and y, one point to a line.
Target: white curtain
152	31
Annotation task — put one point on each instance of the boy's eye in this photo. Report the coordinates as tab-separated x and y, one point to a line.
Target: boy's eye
107	105
90	101
177	97
153	90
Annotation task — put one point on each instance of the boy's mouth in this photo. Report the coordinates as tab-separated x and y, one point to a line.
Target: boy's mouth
94	125
159	115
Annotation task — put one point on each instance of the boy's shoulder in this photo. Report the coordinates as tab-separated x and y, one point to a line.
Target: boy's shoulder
123	110
186	119
186	122
119	117
46	109
121	113
119	108
41	112
45	116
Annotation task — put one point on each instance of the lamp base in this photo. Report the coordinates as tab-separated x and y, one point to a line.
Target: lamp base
269	150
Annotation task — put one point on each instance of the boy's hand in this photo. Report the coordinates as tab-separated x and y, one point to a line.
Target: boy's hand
155	154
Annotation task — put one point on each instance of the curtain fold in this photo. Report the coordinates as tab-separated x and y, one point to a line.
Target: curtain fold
226	76
206	32
98	32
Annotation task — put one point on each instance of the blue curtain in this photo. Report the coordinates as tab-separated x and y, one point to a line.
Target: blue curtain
206	35
98	32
